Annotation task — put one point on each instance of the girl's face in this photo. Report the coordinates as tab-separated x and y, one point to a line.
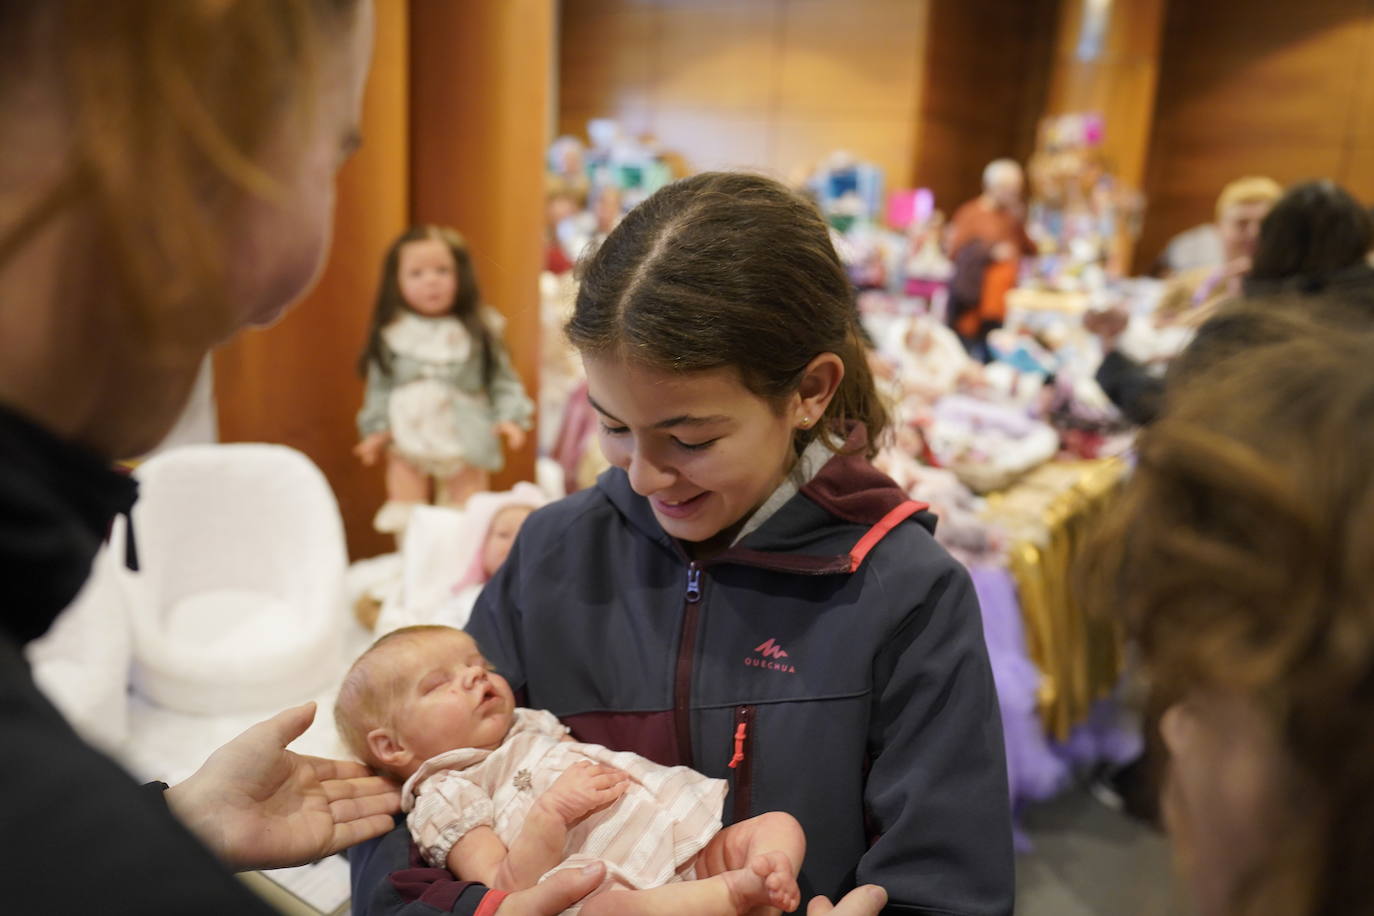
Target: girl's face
504	527
703	449
428	277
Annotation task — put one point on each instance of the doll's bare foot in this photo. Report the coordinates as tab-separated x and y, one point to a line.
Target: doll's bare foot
767	882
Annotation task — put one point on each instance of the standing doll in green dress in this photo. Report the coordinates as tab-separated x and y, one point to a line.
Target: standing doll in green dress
441	393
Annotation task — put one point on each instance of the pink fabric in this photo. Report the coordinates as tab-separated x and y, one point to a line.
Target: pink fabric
481	511
579	421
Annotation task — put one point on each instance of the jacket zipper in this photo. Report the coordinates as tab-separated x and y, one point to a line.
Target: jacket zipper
682	687
743	763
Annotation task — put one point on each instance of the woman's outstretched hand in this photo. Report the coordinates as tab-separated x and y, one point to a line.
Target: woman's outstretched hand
867	900
257	805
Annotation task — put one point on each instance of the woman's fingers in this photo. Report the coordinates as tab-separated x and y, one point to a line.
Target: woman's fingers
867	900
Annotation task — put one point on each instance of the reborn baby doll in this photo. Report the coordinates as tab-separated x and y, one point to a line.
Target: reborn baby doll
504	796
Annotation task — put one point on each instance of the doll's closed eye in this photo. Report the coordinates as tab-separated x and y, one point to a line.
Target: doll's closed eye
433	680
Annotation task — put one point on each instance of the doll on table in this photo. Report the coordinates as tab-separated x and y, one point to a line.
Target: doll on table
441	393
448	557
499	517
504	796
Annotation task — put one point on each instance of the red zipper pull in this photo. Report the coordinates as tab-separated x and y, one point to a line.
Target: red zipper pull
736	760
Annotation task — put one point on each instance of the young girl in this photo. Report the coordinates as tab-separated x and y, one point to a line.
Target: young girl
440	387
742	592
502	795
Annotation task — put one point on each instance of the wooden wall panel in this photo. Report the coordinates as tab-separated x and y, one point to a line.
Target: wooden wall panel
294	383
480	97
1120	82
985	69
771	84
1267	87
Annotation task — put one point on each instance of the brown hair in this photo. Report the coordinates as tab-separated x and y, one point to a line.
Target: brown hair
467	299
730	270
1242	557
1315	232
170	105
367	697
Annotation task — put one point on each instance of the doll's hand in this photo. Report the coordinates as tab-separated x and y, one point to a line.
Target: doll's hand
583	788
514	435
370	449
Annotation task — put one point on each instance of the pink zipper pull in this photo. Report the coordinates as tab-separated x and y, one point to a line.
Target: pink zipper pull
740	732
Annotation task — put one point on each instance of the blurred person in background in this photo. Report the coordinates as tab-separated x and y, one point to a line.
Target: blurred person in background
1241	208
986	240
1315	240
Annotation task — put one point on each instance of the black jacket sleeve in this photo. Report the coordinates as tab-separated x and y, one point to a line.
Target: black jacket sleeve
389	879
80	836
1131	387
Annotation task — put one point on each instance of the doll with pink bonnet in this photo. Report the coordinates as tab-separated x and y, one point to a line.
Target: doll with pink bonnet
448	555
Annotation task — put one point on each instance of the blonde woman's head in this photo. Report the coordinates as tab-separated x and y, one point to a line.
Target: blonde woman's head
168	174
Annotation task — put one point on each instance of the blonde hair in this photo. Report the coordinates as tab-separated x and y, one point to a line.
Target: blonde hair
169	106
368	696
1252	189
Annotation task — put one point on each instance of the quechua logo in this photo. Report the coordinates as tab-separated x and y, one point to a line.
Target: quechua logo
770	656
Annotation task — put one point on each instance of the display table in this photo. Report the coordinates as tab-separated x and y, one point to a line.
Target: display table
1047	515
1025	299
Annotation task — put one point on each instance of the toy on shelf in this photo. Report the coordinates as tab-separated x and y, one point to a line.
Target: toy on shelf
441	392
1083	218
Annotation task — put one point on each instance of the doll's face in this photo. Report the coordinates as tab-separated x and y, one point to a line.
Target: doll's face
446	697
428	277
505	525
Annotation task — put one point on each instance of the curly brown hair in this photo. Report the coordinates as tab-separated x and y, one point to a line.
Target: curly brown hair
1242	559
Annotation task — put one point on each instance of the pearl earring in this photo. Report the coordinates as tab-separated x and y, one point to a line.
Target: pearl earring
805	422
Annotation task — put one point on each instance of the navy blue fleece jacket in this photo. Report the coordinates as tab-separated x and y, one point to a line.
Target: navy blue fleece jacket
834	656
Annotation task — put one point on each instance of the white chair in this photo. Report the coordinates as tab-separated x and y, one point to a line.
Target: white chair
238	602
82	663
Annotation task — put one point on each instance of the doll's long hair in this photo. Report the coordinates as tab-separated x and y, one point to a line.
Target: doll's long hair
467	299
